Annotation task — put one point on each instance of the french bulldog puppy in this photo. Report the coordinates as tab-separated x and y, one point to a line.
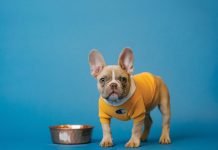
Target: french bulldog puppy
124	96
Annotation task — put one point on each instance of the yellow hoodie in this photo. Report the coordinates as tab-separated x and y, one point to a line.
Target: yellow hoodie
135	107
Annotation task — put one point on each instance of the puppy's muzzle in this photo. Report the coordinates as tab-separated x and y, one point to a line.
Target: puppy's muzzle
113	86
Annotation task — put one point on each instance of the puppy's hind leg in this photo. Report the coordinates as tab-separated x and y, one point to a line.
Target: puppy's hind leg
164	107
147	127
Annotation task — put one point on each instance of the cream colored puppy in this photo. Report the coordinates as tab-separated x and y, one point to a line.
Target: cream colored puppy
124	96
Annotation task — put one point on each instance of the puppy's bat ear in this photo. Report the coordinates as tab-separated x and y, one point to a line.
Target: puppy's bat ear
96	62
126	60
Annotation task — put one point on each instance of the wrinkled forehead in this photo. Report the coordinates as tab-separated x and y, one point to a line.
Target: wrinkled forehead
112	70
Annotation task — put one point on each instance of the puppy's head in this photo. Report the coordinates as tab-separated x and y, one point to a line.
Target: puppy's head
113	81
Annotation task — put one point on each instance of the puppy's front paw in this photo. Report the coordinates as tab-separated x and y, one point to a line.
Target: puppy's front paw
133	142
165	139
106	142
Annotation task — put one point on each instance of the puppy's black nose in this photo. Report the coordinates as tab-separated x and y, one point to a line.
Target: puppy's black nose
113	86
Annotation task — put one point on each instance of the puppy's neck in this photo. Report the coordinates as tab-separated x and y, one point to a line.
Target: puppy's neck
123	100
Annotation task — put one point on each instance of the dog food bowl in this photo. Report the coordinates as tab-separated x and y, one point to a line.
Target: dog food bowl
71	134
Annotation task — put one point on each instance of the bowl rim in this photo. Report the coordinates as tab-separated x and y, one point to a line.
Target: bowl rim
57	127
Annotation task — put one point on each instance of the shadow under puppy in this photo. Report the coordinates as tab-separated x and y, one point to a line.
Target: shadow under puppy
124	96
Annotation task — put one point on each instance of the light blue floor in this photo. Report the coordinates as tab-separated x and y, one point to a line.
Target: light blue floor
191	136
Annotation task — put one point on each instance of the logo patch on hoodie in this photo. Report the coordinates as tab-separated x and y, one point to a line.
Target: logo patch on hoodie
121	111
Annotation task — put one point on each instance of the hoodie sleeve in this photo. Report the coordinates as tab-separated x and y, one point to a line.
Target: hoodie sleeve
138	111
104	117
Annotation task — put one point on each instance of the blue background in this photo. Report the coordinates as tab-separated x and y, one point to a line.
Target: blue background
45	78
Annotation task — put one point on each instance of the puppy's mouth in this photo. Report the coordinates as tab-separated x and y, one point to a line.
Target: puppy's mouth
114	92
113	96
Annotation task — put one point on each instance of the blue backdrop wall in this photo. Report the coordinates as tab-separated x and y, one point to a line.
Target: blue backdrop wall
44	72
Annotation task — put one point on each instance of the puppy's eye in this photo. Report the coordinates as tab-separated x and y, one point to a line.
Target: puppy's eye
102	80
123	79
